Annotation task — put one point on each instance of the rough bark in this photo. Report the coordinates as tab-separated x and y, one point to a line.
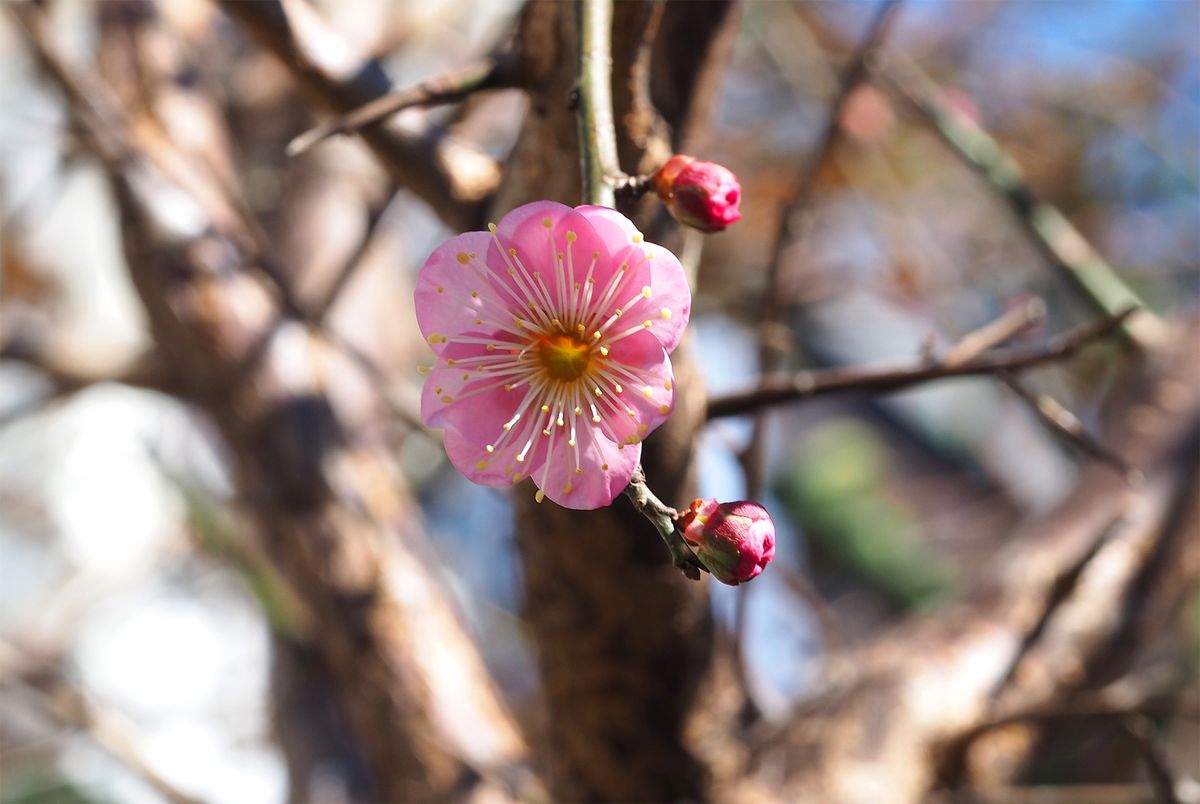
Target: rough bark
1063	609
328	503
623	639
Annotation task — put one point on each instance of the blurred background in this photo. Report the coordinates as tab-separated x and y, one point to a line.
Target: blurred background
141	627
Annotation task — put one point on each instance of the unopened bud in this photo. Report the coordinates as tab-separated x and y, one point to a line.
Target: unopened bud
734	540
703	195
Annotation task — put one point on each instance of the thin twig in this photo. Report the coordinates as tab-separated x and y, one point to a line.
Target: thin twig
70	706
774	301
991	335
663	518
494	72
1061	243
807	384
1059	419
593	88
1052	413
317	311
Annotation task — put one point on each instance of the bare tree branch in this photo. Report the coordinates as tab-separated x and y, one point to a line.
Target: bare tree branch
494	72
451	178
819	382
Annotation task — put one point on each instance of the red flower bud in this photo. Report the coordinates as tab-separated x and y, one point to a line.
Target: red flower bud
703	195
734	540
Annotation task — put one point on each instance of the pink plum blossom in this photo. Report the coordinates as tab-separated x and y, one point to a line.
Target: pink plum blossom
734	540
551	333
703	195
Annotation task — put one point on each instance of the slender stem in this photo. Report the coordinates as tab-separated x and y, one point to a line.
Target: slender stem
805	384
494	72
663	518
1062	244
597	134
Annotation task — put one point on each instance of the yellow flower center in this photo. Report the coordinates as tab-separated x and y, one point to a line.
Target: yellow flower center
564	356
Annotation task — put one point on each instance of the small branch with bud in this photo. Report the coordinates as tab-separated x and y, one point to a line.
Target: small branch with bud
663	518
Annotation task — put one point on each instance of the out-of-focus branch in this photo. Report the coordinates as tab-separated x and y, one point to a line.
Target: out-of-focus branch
1066	424
69	706
328	503
1049	411
808	384
69	370
1066	604
593	90
1061	243
455	180
494	72
774	299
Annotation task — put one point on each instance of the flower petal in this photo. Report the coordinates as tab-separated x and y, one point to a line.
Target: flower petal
499	468
443	296
554	253
669	306
642	368
604	470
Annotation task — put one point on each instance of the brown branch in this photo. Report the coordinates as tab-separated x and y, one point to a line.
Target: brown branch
1061	421
329	504
1063	246
1049	411
819	382
494	72
774	300
456	188
69	705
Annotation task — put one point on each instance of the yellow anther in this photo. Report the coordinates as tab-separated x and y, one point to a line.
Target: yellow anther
546	432
604	466
570	236
441	290
647	323
667	385
646	291
637	237
447	399
474	294
567	488
618	388
646	392
490	448
547	222
491	347
545	408
507	426
664	409
449	361
578	471
462	257
481	465
539	495
665	313
578	410
422	369
492	228
596	419
604	351
512	252
571	443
